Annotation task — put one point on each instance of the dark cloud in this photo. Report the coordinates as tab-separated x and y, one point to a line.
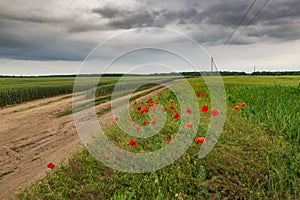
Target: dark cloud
34	34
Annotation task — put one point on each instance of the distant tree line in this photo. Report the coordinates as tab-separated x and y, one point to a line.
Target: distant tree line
185	74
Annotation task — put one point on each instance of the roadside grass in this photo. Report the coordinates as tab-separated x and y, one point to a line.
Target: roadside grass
256	157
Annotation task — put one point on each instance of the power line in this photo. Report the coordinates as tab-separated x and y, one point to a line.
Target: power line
240	22
250	22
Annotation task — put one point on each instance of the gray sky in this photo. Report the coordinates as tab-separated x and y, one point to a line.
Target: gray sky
54	37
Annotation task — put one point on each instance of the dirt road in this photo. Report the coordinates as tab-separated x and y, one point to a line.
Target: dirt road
31	137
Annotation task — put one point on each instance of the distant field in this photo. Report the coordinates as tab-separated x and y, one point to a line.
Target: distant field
18	90
256	157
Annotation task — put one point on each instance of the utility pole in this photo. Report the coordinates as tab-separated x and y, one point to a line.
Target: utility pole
211	64
254	69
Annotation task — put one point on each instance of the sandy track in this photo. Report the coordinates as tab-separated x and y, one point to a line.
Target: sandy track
31	137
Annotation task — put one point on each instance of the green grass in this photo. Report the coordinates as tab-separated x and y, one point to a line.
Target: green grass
256	157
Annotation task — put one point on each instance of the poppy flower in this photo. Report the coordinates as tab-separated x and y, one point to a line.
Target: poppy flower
198	95
243	105
135	103
168	140
176	116
154	109
214	113
202	95
141	111
146	109
172	107
152	104
51	165
236	107
132	143
189	125
133	122
154	120
164	109
188	111
129	119
204	108
156	103
145	122
142	103
93	137
149	100
116	144
200	140
116	119
139	107
138	128
171	101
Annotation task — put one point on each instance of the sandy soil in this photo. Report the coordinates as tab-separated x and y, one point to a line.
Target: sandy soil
31	137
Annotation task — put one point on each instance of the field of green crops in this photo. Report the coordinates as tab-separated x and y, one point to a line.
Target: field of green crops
19	90
256	157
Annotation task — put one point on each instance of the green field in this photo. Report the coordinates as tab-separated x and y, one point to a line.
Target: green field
256	157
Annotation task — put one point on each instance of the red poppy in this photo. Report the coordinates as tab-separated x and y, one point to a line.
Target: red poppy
176	116
129	119
132	143
198	95
189	125
156	103
142	103
202	95
172	107
139	107
168	140
116	118
51	165
93	137
171	101
154	120
204	108
146	109
138	128
154	109
135	103
214	113
141	111
188	111
236	107
116	144
243	105
149	100
200	140
152	104
164	109
133	122
145	122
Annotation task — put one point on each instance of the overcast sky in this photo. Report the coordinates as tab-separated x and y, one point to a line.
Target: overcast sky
54	37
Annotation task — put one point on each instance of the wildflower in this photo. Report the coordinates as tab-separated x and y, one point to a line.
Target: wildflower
129	119
172	107
198	94
154	120
135	103
164	109
142	103
132	143
189	125
188	111
243	105
171	101
168	140
116	118
141	111
51	165
204	108
138	128
154	109
139	107
200	140
93	137
236	107
202	95
176	116
215	113
145	122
